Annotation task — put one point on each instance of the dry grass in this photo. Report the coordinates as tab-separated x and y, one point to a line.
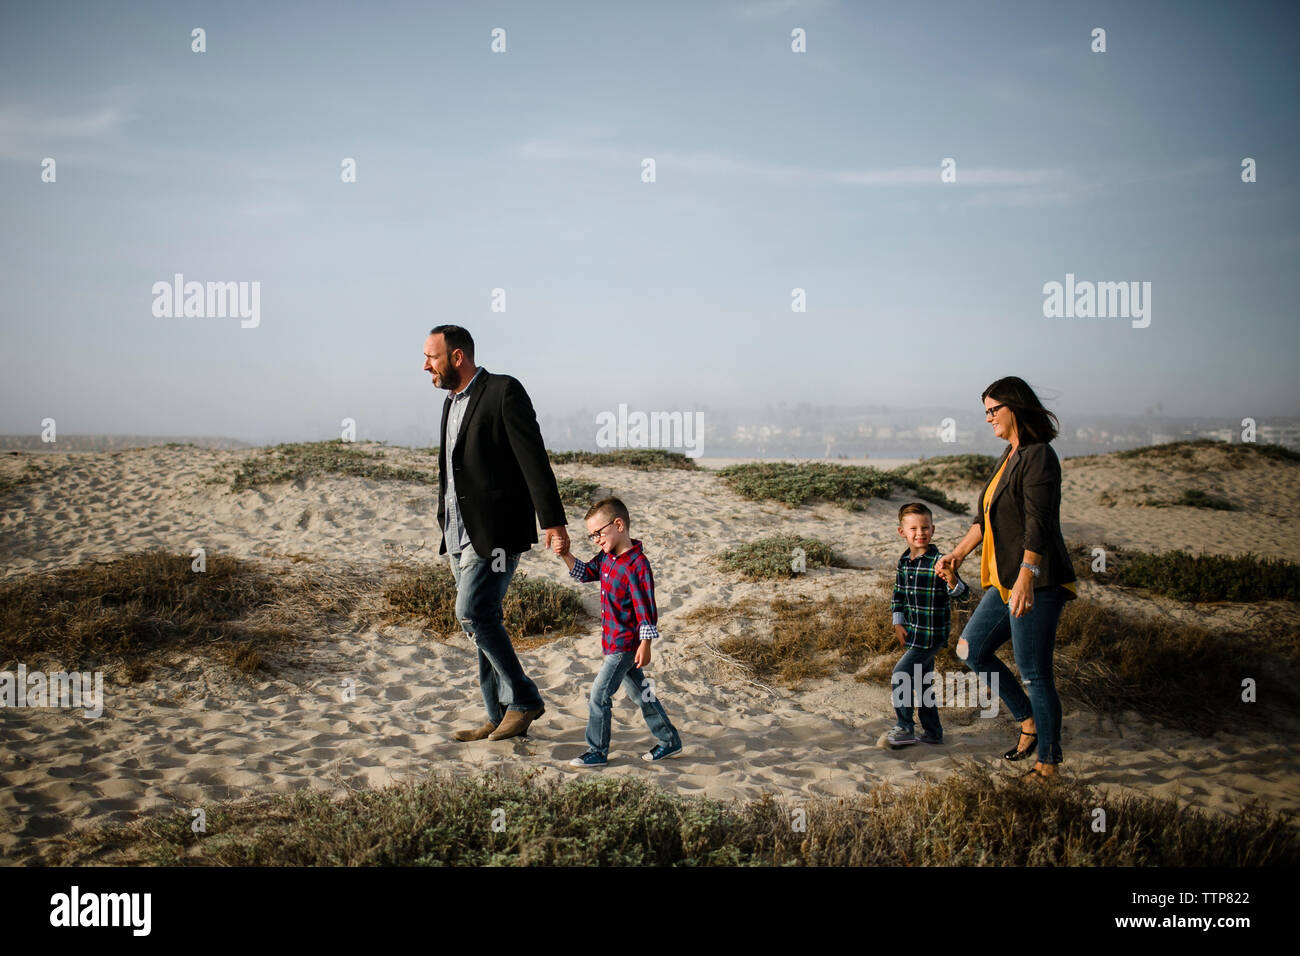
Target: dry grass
813	639
1178	673
971	818
132	614
535	610
1109	660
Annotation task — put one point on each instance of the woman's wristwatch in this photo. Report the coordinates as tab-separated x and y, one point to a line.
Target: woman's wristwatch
1034	569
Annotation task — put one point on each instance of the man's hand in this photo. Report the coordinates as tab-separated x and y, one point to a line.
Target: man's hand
557	539
642	658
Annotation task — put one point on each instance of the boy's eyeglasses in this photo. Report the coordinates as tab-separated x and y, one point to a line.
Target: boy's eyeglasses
599	531
993	410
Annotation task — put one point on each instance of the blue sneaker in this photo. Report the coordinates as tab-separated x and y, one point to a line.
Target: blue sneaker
589	759
898	737
663	751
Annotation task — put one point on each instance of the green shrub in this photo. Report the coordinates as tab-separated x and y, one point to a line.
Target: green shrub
1206	577
1195	498
1239	454
639	459
300	460
773	557
846	485
969	468
576	492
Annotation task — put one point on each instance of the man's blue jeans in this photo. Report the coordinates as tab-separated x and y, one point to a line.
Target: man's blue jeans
480	589
1033	639
907	681
621	669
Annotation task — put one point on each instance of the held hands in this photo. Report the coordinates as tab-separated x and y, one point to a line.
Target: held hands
948	563
557	540
947	573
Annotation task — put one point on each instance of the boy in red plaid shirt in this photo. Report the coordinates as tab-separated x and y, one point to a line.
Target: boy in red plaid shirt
628	620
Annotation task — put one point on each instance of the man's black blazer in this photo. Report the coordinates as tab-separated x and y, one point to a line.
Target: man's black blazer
1025	515
503	476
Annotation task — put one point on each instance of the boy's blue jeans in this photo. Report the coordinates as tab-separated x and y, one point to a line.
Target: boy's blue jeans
479	593
1033	639
621	669
904	684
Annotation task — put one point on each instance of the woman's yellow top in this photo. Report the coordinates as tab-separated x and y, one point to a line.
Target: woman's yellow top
988	565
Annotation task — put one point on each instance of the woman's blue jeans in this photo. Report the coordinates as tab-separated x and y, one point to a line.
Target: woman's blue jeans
621	669
1033	639
480	588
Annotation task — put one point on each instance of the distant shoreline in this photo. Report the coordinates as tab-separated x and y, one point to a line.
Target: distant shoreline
882	463
92	444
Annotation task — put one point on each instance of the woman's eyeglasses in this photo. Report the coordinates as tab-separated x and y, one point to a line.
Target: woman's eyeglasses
993	410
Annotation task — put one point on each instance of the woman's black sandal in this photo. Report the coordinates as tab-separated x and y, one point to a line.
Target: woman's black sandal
1014	754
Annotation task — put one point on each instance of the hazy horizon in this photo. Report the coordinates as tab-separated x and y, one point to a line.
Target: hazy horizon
522	171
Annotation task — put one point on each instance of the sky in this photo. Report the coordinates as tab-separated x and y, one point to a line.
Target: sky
522	170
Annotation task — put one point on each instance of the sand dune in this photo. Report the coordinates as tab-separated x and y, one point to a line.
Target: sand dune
202	734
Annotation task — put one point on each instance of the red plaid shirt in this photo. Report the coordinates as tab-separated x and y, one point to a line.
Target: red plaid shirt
627	597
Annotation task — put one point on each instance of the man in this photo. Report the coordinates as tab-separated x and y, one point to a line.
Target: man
493	474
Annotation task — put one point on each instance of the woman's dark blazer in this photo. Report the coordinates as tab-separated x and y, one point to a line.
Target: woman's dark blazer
504	481
1025	515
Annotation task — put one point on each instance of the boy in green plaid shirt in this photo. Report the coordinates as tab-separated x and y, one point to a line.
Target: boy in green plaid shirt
922	616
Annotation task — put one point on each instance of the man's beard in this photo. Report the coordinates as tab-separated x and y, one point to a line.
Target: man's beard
450	379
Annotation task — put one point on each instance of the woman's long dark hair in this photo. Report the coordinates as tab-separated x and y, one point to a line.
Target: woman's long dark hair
1033	422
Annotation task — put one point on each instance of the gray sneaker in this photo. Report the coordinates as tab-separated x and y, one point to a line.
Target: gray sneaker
929	738
898	737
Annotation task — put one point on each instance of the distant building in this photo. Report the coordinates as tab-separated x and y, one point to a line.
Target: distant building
1287	435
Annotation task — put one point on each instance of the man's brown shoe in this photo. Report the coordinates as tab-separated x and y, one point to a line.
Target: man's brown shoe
478	733
515	723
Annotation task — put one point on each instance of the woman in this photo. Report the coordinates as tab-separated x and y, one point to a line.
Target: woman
1024	568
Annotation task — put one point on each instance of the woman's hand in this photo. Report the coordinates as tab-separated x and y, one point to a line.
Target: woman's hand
1022	594
949	562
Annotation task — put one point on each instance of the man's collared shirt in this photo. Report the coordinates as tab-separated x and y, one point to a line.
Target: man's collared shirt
627	597
455	532
921	599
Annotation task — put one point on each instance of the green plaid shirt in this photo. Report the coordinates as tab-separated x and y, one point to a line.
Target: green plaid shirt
922	600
